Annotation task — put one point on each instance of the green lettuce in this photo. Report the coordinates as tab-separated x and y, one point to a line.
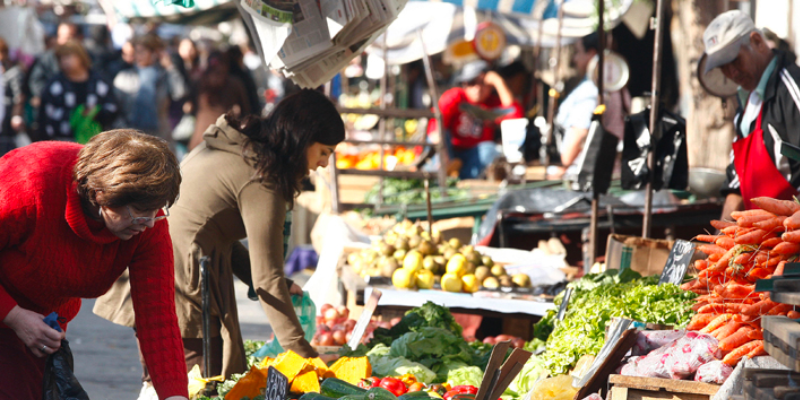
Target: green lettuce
465	375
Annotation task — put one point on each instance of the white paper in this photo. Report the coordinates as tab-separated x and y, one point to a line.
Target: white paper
272	26
309	35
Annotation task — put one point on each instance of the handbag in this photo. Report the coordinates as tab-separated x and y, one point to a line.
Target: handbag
185	128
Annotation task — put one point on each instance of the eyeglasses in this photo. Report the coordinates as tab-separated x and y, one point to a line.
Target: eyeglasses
145	220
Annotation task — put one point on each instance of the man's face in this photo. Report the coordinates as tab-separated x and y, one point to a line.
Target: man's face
477	90
744	69
144	57
581	58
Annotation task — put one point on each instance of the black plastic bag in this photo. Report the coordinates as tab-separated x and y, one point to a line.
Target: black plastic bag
671	161
59	380
596	162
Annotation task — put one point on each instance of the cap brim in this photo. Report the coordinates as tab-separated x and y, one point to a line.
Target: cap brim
721	57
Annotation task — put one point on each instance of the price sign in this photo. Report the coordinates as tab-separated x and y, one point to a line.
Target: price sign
677	263
490	41
363	320
277	385
564	303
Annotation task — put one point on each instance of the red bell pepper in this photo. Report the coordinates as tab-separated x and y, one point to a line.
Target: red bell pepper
370	382
396	386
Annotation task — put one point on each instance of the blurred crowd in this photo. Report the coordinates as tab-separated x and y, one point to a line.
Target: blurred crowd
80	86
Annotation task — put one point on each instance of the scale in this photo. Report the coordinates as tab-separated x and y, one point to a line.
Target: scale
615	71
715	82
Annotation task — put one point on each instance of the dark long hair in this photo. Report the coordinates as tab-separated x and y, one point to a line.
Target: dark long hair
276	145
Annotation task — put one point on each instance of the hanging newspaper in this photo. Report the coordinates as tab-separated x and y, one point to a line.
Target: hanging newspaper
270	22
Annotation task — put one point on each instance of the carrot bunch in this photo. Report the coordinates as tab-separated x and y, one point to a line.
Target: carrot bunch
755	246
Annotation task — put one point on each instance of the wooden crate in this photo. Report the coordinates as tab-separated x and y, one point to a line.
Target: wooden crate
635	388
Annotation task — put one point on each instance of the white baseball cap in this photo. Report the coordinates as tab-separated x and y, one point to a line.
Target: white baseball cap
724	36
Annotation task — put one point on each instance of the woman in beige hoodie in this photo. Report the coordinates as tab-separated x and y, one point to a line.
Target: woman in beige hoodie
240	182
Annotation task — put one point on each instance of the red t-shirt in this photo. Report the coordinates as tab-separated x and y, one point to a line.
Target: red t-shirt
466	130
52	255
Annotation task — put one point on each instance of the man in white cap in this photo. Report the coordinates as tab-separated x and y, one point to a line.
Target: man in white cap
768	115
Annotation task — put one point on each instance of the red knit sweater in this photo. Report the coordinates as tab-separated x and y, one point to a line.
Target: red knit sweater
51	255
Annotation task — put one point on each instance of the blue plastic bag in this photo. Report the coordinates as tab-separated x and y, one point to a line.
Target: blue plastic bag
306	312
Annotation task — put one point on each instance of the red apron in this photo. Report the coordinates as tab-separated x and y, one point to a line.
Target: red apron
757	173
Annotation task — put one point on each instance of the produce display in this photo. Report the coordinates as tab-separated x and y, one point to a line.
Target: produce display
411	191
415	259
595	300
681	358
356	158
756	246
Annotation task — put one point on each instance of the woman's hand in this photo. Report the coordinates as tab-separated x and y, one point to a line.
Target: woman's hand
296	290
29	326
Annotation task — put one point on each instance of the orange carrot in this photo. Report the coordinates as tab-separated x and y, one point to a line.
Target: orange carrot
781	309
793	314
737	291
711	249
740	214
700	321
689	285
715	323
721	224
705	298
723	262
736	339
775	206
773	261
758	273
744	258
715	257
706	238
701	265
792	222
771	242
772	224
699	305
762	307
787	248
756	334
725	242
749	220
752	237
758	350
731	230
792	236
728	329
779	270
736	354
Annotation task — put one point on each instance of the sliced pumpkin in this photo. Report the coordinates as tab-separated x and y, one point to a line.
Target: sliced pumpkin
250	385
290	364
307	381
352	369
322	368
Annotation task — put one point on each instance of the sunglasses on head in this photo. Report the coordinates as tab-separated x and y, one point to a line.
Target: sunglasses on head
476	81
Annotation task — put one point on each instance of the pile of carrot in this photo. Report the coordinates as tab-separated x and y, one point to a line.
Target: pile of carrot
755	246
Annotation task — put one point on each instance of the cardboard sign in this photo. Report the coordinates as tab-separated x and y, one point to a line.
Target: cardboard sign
277	385
564	303
363	320
677	263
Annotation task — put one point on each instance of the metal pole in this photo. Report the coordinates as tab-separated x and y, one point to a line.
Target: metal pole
654	104
334	187
382	122
551	108
600	70
441	147
538	86
205	295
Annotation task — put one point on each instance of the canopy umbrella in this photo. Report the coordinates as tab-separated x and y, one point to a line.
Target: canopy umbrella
202	12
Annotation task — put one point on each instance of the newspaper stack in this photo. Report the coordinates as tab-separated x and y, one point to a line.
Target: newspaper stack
325	34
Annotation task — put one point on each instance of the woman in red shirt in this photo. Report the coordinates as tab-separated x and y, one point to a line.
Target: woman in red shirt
73	219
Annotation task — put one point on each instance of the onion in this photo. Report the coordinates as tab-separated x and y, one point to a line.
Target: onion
331	314
503	338
326	339
325	307
489	340
518	343
343	311
349	325
339	337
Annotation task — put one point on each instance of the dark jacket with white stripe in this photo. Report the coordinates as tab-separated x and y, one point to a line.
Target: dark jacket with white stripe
780	121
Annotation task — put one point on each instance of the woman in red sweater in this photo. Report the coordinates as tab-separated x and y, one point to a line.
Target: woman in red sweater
73	219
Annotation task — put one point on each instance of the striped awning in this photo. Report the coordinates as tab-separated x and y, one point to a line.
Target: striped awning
203	12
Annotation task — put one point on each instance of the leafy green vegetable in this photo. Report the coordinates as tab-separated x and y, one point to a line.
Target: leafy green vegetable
397	366
411	191
465	375
429	315
534	370
433	348
583	329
